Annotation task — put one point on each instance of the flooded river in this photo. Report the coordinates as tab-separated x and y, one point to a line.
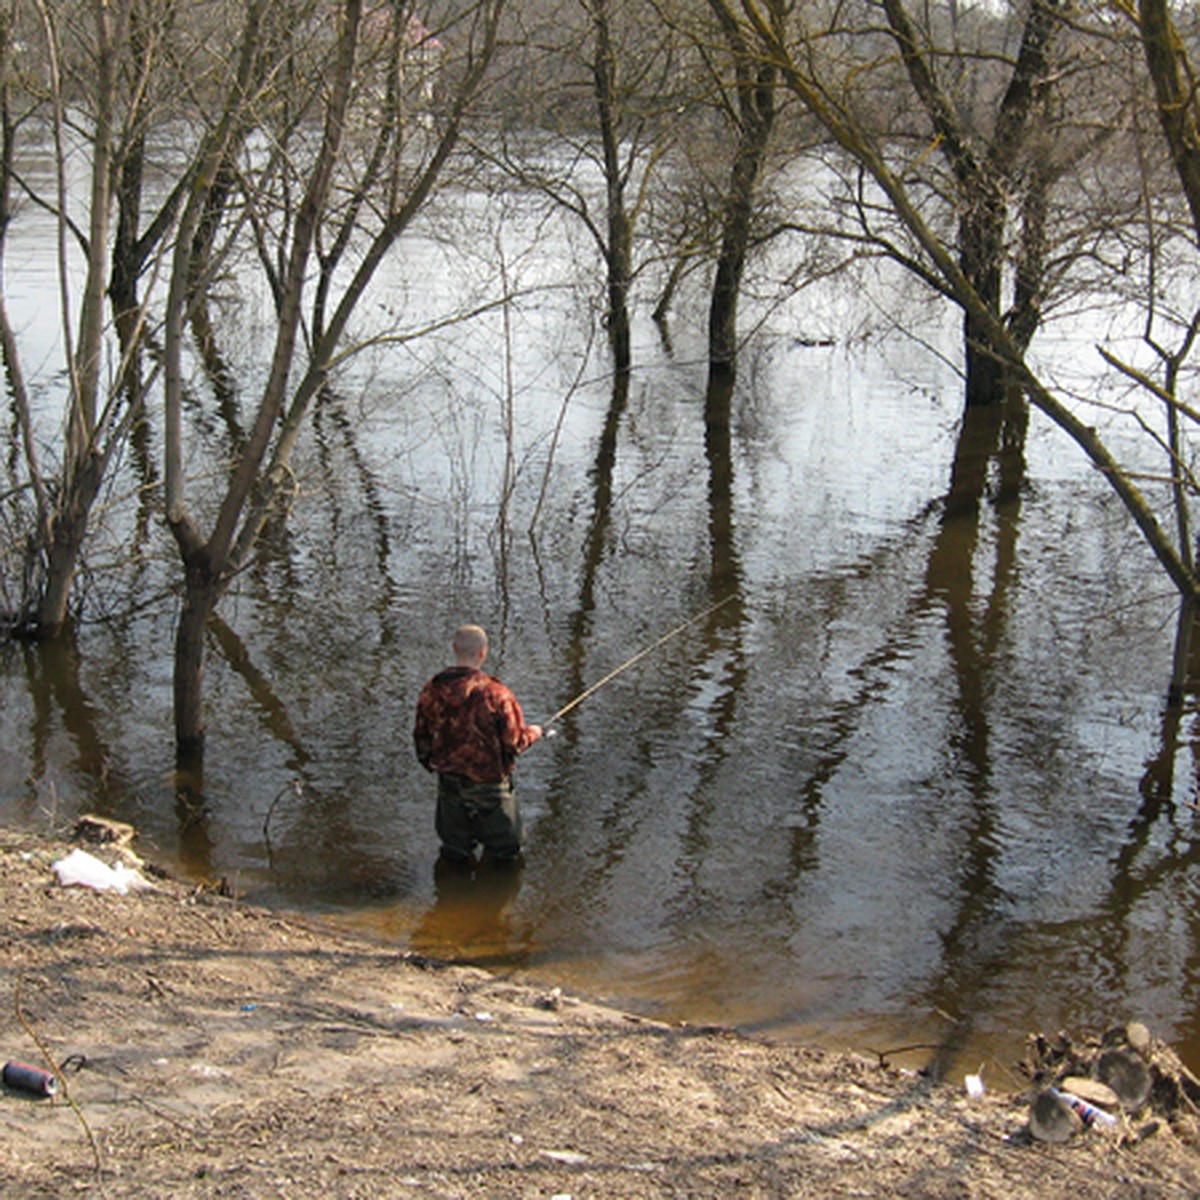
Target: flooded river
915	784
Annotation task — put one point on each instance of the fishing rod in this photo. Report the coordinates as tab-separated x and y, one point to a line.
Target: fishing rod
629	662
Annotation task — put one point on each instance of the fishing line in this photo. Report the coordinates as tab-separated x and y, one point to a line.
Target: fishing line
629	662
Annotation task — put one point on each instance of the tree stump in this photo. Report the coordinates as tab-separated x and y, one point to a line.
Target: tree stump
1126	1072
1052	1119
1091	1090
103	830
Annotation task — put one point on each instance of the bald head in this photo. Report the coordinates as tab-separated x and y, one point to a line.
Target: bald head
470	645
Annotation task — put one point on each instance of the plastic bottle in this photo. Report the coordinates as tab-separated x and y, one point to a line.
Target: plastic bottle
1089	1114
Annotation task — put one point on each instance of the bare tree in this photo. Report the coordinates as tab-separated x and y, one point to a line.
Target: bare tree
934	258
1171	327
984	168
83	48
347	216
101	81
752	116
618	245
612	68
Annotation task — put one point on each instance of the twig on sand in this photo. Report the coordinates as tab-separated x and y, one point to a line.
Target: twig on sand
62	1080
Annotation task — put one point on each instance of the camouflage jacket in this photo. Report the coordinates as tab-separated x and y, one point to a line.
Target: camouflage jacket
469	724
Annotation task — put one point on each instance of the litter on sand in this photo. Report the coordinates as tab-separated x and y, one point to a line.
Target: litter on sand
82	869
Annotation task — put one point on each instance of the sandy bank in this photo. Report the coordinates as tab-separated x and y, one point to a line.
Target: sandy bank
211	1049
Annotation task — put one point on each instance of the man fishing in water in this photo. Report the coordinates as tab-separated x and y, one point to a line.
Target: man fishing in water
469	730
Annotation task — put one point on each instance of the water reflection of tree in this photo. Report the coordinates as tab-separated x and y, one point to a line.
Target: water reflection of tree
265	700
53	673
720	636
596	539
220	376
276	568
1145	869
713	651
594	553
975	942
193	809
333	428
579	625
987	469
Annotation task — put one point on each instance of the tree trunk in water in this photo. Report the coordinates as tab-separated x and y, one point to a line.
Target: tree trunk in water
54	603
68	533
735	241
725	571
619	252
981	254
1182	664
619	272
986	177
756	82
201	592
126	265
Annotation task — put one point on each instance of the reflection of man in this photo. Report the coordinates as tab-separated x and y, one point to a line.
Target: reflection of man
469	730
469	921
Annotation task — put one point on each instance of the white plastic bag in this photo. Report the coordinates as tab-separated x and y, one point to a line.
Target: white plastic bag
86	870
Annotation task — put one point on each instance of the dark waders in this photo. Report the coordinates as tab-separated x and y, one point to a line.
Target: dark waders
470	814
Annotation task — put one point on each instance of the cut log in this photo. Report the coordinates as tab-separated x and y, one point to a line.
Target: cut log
1091	1090
103	830
1126	1072
1138	1036
1051	1119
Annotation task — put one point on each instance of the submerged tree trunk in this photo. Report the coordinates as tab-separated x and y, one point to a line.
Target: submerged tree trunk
986	177
201	592
68	533
754	119
126	267
981	255
619	245
724	567
1184	653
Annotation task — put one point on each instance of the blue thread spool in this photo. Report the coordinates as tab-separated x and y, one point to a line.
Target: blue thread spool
30	1079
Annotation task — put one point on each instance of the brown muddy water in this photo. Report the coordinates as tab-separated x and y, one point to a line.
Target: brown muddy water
916	784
